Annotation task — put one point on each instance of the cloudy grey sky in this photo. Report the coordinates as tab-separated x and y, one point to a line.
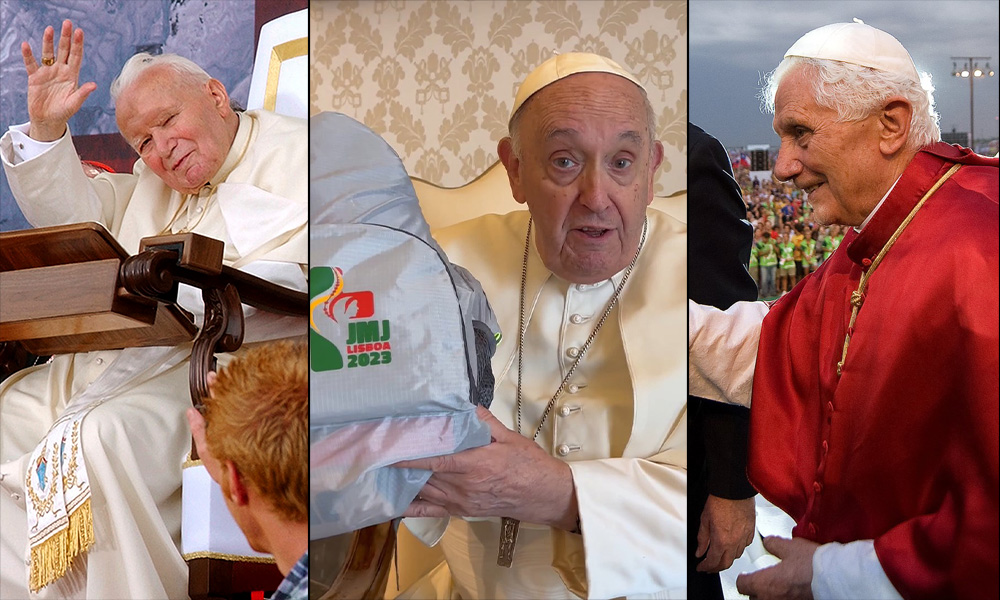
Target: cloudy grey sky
734	42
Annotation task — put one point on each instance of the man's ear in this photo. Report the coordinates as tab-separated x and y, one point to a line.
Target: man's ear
655	160
894	125
220	98
512	163
233	485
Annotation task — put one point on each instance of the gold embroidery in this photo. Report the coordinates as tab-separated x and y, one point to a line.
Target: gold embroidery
71	480
43	506
231	557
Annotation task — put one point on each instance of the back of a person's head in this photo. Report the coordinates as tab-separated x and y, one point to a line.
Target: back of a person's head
258	417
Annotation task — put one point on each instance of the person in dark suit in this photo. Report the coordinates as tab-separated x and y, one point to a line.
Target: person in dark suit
720	499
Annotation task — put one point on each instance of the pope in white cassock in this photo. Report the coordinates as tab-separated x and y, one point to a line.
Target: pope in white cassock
585	480
103	519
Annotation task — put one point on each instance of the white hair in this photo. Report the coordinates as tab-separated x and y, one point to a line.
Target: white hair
142	61
855	92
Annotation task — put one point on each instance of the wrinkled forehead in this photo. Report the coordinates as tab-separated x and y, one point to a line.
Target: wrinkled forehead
592	100
796	83
153	91
795	99
150	82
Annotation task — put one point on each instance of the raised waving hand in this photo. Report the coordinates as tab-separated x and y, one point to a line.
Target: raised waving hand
53	91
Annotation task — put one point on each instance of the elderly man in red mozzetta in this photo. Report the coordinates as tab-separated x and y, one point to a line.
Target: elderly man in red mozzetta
874	419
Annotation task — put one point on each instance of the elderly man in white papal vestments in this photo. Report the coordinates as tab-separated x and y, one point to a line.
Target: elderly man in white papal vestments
582	493
92	444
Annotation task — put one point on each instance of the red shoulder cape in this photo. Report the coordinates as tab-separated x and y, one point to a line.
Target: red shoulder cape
903	447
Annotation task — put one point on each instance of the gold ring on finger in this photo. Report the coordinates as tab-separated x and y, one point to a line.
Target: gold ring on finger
48	61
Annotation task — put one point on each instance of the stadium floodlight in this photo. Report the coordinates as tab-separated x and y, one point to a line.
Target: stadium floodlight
970	70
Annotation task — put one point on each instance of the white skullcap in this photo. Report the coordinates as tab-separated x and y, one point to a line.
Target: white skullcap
857	44
564	65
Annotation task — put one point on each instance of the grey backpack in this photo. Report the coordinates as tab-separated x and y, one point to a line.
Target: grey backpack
400	339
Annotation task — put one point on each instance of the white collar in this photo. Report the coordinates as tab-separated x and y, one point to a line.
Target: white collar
875	210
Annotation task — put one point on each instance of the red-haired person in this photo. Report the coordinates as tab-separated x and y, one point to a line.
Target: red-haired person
254	441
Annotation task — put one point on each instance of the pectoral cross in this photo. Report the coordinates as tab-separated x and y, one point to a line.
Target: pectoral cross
508	539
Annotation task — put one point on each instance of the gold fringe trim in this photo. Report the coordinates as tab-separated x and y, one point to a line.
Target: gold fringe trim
230	557
52	558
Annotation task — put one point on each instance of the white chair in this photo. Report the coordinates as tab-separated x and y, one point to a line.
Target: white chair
280	80
279	83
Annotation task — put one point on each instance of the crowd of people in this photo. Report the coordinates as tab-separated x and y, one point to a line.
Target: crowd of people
788	243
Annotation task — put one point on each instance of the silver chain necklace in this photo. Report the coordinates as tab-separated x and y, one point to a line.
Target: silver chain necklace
508	525
586	346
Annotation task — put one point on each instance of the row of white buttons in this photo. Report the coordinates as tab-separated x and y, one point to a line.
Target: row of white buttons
576	319
572	352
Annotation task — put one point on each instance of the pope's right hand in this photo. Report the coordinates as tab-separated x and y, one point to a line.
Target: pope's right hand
53	93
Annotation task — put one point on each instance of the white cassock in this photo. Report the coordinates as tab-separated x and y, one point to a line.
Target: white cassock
621	423
135	437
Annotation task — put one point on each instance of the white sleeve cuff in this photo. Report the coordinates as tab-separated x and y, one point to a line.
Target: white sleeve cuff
641	550
25	147
850	571
722	350
428	530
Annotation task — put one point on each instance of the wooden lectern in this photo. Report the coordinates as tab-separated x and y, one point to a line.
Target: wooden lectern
73	288
60	292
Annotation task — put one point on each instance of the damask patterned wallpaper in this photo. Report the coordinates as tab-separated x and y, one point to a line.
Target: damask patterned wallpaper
437	78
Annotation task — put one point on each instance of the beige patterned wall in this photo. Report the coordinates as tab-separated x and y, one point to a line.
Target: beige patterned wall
437	77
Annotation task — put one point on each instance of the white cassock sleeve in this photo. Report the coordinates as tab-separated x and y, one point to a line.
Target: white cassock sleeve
633	514
60	193
850	572
24	147
722	350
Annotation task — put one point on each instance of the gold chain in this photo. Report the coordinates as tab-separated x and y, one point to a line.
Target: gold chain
858	296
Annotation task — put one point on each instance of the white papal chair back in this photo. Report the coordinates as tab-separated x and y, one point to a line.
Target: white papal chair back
280	80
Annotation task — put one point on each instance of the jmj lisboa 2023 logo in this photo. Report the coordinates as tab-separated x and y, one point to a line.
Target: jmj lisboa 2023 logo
344	320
